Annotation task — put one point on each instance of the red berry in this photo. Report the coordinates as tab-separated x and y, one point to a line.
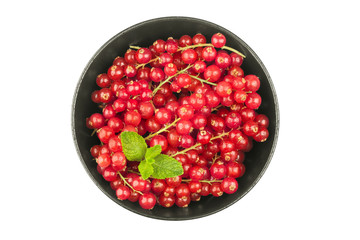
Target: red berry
114	144
183	127
158	186
252	83
183	80
223	89
96	120
159	46
103	80
185	40
143	55
199	66
236	59
250	128
147	201
123	192
171	45
115	72
185	112
208	54
223	60
215	189
261	135
139	184
233	120
262	120
218	40
253	100
163	116
159	140
189	56
212	73
198	39
218	170
118	161
174	181
170	69
235	170
109	174
132	117
196	173
105	133
130	56
166	201
182	190
103	160
229	185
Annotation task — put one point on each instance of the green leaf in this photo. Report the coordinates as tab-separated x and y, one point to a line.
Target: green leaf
133	145
166	167
146	169
152	152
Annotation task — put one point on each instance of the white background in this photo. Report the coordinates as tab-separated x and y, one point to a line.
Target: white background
311	188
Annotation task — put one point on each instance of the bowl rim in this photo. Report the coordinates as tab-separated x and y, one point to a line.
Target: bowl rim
185	18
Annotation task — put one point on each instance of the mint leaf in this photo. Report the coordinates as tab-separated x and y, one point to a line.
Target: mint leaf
133	145
145	169
152	152
166	167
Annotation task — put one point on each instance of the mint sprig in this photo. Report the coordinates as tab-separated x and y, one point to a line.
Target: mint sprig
152	162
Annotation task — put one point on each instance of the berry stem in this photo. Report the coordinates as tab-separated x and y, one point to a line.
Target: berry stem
143	64
205	181
169	78
163	129
128	184
210	45
233	50
203	80
195	46
198	144
134	47
187	149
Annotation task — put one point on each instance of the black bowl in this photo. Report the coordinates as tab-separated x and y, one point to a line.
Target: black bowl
144	34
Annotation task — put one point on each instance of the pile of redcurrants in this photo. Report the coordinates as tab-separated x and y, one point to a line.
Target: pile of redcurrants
188	96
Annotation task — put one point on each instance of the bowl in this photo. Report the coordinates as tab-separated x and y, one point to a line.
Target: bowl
144	34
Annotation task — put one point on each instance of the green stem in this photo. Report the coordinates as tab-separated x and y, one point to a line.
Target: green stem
203	80
169	78
204	181
163	129
134	47
143	64
195	46
233	50
128	184
198	144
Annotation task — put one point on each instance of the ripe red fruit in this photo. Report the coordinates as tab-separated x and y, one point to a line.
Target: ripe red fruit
218	40
132	118
105	133
115	72
212	73
252	83
147	201
229	185
223	89
159	140
253	100
189	56
143	55
123	192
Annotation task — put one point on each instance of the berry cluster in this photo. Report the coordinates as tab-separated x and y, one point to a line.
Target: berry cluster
188	96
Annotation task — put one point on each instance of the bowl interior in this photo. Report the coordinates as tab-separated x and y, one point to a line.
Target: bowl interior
144	34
